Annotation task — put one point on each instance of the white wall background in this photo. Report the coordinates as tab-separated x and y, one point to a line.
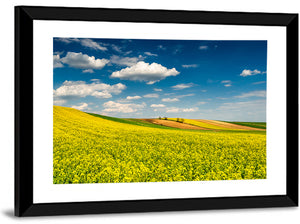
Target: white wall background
271	215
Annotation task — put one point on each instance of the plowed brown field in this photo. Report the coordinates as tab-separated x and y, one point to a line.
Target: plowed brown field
220	124
173	124
229	125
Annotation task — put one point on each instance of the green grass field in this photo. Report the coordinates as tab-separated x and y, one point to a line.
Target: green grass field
131	121
262	125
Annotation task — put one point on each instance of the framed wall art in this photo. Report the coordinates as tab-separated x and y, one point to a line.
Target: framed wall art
122	110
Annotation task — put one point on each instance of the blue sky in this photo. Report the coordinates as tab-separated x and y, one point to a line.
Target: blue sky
221	80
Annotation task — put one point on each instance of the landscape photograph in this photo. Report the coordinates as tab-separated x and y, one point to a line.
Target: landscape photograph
157	110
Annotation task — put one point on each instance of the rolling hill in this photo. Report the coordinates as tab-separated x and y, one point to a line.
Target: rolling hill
94	149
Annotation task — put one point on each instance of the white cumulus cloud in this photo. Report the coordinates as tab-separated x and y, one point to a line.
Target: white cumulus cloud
56	61
170	99
150	54
103	94
151	95
157	105
227	83
92	44
190	109
185	110
257	93
182	86
125	61
77	89
82	106
83	61
247	72
114	107
172	110
203	47
142	71
84	42
133	97
88	71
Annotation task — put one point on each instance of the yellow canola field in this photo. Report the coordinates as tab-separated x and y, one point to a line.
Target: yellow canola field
88	149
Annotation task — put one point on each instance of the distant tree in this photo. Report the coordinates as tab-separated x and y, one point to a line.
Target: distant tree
165	118
181	120
159	117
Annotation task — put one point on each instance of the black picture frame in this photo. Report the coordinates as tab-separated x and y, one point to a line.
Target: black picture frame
24	17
